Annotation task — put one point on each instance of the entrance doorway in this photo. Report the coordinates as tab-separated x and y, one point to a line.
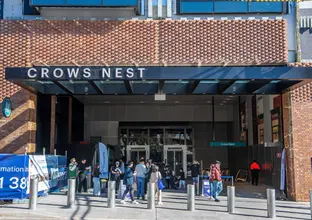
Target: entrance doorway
136	152
175	157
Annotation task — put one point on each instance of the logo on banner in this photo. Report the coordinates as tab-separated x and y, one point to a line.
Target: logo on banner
6	107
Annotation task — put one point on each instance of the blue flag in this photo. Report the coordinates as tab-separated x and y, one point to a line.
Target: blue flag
103	161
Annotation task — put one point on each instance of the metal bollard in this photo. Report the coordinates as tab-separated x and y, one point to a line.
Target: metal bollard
151	196
271	203
33	193
71	194
89	179
197	185
231	199
311	202
111	194
190	197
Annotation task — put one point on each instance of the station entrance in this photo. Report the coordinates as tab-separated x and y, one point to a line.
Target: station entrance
171	115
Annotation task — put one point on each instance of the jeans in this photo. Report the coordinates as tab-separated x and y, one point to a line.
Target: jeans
96	186
128	190
216	188
140	186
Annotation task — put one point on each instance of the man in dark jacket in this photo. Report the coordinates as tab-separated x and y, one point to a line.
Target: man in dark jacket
82	176
195	171
128	181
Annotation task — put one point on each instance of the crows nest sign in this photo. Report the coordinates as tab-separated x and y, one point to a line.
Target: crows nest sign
68	73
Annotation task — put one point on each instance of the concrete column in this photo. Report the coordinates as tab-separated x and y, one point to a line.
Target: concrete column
267	106
52	126
71	193
249	120
33	193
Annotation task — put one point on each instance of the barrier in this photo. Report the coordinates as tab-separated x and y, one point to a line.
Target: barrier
190	197
111	194
71	194
271	203
151	196
222	177
231	199
33	194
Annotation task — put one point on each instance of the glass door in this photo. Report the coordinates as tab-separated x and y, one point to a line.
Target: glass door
175	160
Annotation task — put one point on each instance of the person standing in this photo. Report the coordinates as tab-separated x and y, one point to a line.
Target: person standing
155	178
215	178
96	180
116	174
181	179
140	177
147	175
82	176
255	169
72	169
128	181
195	171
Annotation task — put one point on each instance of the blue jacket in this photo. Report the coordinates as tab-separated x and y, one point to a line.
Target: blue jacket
128	177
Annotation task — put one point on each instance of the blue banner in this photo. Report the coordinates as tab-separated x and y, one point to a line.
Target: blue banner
62	172
13	176
103	161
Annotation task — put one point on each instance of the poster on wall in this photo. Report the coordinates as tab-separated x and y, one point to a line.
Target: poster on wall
243	125
13	176
260	129
275	121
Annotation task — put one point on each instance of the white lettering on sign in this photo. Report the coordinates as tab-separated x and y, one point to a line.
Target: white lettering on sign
58	73
44	73
106	73
30	74
130	73
118	73
87	73
141	72
73	72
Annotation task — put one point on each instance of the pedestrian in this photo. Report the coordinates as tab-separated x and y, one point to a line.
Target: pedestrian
116	174
255	169
174	181
128	181
181	179
215	179
195	172
167	177
82	176
157	179
147	175
96	180
140	178
72	169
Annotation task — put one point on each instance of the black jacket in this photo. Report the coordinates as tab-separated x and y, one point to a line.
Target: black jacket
195	170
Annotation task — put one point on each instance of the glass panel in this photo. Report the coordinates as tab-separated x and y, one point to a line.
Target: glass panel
178	162
175	137
138	137
189	139
142	154
157	137
134	156
189	158
157	154
123	141
170	159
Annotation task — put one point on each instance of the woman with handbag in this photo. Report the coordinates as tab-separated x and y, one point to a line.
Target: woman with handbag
159	186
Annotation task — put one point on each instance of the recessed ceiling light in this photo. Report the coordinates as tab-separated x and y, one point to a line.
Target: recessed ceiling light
208	101
141	102
228	99
221	103
174	93
231	96
116	93
177	102
204	93
106	102
145	93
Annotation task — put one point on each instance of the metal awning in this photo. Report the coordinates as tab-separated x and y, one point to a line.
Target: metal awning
150	80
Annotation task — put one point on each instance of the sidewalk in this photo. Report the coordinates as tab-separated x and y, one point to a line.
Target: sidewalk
53	207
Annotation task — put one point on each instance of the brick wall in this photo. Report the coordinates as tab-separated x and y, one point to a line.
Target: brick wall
298	140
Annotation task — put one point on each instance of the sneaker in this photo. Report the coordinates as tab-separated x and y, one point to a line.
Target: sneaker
122	202
135	202
217	200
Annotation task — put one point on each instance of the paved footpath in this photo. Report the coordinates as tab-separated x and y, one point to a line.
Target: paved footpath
53	207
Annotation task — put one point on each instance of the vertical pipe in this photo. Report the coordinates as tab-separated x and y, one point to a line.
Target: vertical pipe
71	193
190	197
33	193
111	194
311	202
213	120
197	185
271	203
43	151
151	196
239	118
231	199
54	152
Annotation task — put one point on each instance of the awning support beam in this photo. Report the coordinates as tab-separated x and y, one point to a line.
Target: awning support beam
221	89
128	86
193	86
64	88
95	87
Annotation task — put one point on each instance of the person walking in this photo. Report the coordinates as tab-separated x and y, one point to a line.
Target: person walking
82	176
128	181
195	171
140	178
215	178
116	174
156	178
255	169
96	180
181	179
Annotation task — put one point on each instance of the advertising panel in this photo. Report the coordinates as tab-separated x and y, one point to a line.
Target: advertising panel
13	176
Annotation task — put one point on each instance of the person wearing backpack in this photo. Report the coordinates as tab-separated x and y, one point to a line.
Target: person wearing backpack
159	186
